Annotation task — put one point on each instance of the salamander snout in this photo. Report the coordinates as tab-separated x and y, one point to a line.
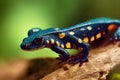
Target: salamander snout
24	46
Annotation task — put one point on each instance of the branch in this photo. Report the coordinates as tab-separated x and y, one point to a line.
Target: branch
98	67
101	60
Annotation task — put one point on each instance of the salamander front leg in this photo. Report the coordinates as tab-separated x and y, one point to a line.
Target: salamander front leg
63	54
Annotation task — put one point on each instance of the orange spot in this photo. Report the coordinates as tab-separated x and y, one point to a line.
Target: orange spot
98	35
112	27
68	45
58	44
86	39
61	35
52	41
92	38
62	45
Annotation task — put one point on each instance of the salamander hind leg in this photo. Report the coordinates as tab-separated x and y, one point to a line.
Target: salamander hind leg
116	36
83	55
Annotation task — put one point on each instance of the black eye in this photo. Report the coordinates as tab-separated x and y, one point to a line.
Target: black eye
38	40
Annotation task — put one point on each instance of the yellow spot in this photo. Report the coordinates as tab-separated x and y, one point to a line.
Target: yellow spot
71	33
82	29
58	44
98	35
86	39
79	40
61	35
89	28
92	38
112	27
52	41
47	41
68	45
62	45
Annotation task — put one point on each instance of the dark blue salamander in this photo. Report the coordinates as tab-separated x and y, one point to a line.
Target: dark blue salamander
75	37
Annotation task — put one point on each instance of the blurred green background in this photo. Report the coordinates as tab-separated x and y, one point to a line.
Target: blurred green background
18	16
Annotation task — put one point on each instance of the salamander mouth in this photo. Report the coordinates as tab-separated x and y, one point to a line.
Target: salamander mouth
31	47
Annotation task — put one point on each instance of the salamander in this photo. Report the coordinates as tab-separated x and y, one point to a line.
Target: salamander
78	37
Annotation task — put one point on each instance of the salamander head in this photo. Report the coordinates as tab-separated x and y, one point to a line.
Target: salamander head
34	40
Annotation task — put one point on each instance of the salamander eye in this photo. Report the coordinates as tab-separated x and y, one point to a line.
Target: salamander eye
38	40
